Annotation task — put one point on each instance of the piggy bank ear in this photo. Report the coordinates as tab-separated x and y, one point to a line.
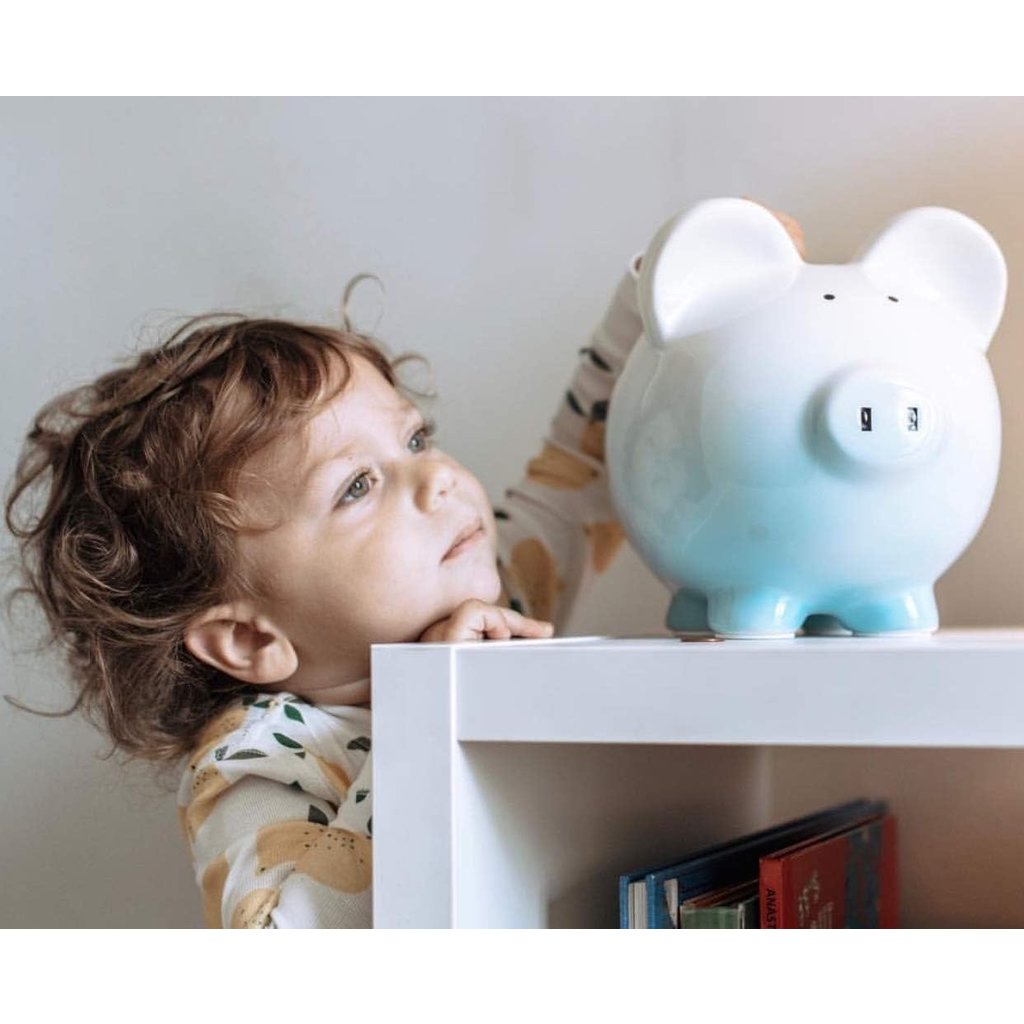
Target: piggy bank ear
943	256
712	264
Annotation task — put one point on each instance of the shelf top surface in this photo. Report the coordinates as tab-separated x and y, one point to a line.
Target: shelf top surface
961	687
945	640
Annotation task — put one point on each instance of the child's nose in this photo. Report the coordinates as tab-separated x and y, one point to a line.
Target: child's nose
437	480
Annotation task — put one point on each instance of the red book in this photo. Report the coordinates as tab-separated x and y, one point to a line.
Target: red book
842	879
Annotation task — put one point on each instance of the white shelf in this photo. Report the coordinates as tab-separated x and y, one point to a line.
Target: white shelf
511	775
956	688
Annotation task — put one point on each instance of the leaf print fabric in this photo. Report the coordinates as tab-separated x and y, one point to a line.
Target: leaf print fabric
279	836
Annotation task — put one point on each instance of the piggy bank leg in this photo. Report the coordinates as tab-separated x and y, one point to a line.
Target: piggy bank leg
688	612
755	613
893	613
821	624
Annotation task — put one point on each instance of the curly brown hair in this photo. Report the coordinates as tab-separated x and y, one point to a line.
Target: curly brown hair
138	527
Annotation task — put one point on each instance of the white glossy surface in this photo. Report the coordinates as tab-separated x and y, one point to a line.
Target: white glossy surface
791	440
953	688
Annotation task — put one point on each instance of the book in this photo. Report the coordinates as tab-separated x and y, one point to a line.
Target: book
650	898
735	906
845	879
742	914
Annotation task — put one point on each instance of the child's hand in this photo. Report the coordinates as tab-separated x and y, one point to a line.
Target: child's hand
477	620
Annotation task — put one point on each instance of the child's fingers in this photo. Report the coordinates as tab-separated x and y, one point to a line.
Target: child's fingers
495	623
488	621
477	620
522	625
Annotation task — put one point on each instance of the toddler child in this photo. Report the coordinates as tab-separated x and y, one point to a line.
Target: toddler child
231	521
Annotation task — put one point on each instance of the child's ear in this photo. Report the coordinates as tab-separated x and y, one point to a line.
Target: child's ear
234	639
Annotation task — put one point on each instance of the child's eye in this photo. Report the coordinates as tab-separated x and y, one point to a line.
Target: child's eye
354	491
428	430
360	487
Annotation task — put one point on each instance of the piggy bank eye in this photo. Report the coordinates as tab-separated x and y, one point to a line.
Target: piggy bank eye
830	297
892	298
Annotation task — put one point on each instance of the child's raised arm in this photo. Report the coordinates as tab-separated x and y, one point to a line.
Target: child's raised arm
557	528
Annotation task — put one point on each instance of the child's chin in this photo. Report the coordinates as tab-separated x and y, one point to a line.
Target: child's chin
496	590
488	591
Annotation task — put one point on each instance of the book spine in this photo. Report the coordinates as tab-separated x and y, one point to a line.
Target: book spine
711	917
890	910
661	903
770	891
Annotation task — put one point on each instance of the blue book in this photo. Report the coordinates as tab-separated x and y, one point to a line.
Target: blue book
651	898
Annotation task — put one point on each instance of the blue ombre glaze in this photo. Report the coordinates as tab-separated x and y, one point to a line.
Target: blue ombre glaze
775	456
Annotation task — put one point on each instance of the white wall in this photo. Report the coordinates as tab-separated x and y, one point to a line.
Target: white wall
499	228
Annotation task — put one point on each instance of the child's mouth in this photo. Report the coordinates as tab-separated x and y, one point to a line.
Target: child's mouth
464	545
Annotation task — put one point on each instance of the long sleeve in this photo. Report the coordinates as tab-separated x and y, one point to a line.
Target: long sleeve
557	527
275	806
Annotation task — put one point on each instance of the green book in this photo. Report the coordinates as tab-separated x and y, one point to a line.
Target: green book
744	914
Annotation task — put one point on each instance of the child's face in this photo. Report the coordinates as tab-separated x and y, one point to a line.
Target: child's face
360	556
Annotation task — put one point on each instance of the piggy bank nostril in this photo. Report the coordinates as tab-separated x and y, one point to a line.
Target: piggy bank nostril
913	418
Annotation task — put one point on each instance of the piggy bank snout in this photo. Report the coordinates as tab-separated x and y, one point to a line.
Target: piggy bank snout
873	419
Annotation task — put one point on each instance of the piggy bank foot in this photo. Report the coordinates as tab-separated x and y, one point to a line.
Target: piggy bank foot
824	625
892	613
688	613
755	613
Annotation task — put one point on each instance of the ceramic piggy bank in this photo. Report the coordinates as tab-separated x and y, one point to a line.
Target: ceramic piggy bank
793	442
